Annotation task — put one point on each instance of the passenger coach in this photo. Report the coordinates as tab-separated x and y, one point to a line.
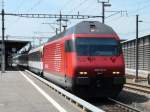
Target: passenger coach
35	62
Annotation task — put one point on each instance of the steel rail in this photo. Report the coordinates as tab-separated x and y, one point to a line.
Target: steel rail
138	87
124	106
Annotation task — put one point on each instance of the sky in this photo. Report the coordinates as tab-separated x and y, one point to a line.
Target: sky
123	24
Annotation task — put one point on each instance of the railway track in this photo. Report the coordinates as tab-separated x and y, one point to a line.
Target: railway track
137	87
111	106
116	106
81	104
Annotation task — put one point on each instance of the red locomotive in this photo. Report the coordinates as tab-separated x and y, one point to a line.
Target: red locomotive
87	59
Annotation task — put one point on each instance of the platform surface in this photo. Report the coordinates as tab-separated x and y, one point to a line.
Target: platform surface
17	94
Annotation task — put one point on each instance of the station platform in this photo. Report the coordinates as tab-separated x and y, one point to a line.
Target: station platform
17	94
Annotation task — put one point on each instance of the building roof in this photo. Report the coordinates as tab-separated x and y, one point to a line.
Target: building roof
129	40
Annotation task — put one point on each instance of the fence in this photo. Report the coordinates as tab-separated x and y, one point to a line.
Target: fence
129	50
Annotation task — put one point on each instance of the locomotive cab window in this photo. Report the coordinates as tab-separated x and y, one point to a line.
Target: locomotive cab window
97	47
69	46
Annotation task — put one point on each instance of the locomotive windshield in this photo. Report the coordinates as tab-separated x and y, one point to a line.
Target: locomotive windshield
97	47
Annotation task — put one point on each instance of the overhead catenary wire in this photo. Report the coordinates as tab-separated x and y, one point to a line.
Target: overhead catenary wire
77	6
65	4
33	6
139	9
3	4
58	16
88	6
115	13
131	13
18	8
21	3
133	32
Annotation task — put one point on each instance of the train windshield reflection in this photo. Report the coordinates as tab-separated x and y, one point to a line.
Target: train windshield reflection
96	47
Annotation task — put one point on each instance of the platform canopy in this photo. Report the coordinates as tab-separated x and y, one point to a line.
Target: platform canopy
11	48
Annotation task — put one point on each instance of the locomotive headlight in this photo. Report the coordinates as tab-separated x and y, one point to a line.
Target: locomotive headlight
83	73
116	72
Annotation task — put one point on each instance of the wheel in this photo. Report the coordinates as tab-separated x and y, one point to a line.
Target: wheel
148	78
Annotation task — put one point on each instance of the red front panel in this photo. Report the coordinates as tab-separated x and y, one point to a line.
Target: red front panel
100	65
96	65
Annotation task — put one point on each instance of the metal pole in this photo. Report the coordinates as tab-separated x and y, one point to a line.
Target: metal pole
60	22
56	31
103	12
64	27
137	57
3	43
40	40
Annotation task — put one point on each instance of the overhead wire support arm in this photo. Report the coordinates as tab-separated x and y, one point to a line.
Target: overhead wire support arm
104	4
53	16
117	12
